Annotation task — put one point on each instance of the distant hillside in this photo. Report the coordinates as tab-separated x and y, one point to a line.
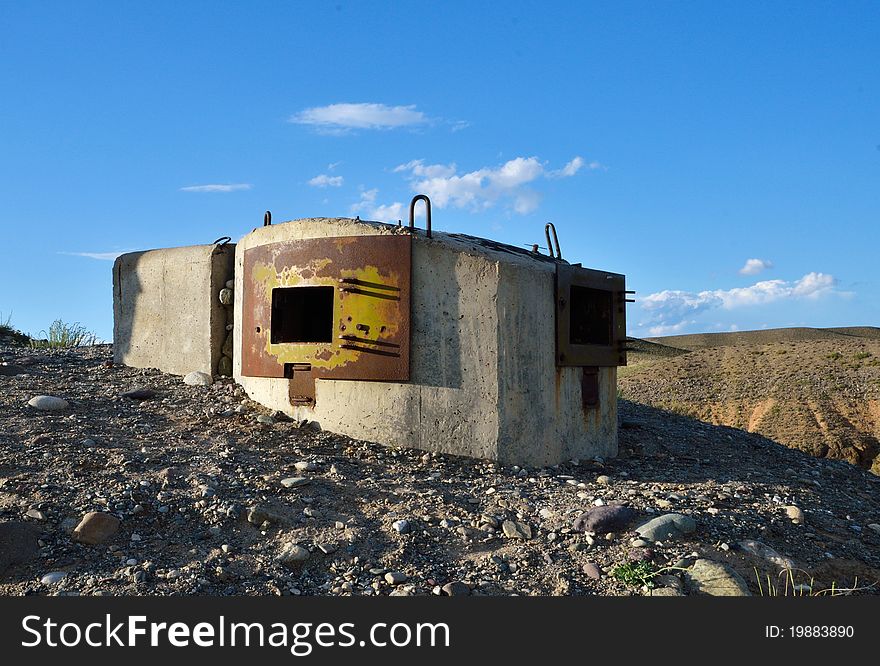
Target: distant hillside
817	390
766	336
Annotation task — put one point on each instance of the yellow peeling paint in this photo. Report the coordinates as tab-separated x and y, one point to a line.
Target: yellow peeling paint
361	309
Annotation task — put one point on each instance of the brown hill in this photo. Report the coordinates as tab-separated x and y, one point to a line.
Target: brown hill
817	390
766	336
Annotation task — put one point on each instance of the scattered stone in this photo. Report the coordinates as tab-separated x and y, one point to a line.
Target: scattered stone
795	514
455	589
401	526
592	570
198	378
666	527
96	527
305	466
226	296
874	527
265	420
665	592
327	548
603	480
395	578
53	577
48	403
295	481
516	530
604	519
9	370
36	514
292	555
139	394
765	552
716	579
262	513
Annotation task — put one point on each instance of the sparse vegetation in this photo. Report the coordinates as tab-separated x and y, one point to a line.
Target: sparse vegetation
636	574
786	585
11	335
834	356
64	336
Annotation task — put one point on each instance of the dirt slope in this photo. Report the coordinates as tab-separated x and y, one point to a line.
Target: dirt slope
817	390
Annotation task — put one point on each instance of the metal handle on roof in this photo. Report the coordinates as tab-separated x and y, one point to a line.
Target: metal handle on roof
547	229
412	212
267	218
223	240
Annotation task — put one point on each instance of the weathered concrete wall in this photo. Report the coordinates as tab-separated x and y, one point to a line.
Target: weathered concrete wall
166	311
483	380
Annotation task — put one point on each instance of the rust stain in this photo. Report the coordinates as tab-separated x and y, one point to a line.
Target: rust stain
370	276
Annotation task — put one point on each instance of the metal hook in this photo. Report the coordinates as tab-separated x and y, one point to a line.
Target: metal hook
267	218
223	240
412	212
547	229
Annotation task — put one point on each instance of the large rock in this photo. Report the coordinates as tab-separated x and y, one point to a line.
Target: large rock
96	527
48	403
197	378
716	579
604	519
516	530
765	552
18	545
667	526
292	555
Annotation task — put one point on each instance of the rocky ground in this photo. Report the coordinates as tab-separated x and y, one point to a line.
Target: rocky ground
179	489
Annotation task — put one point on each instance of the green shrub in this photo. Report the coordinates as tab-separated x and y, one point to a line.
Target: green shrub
65	336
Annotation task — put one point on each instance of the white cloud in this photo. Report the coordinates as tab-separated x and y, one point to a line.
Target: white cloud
368	209
478	189
229	187
669	310
344	117
324	180
101	256
755	266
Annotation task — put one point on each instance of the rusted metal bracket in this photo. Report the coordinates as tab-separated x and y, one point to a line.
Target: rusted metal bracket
412	212
590	386
547	229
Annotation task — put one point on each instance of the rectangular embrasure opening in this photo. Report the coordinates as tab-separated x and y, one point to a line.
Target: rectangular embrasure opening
302	314
591	312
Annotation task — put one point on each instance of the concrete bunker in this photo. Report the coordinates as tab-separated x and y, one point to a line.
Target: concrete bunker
437	341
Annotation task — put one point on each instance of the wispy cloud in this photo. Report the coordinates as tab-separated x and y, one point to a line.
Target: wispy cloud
101	256
217	187
367	207
670	311
324	180
755	266
336	118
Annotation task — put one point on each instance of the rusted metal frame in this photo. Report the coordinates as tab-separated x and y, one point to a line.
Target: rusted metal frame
390	255
569	354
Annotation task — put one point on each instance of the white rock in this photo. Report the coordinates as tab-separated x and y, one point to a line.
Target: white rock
305	466
197	378
48	403
53	577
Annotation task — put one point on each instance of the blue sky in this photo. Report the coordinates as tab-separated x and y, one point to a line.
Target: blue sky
724	156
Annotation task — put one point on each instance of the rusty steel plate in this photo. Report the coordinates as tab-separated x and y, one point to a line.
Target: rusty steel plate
356	327
590	317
